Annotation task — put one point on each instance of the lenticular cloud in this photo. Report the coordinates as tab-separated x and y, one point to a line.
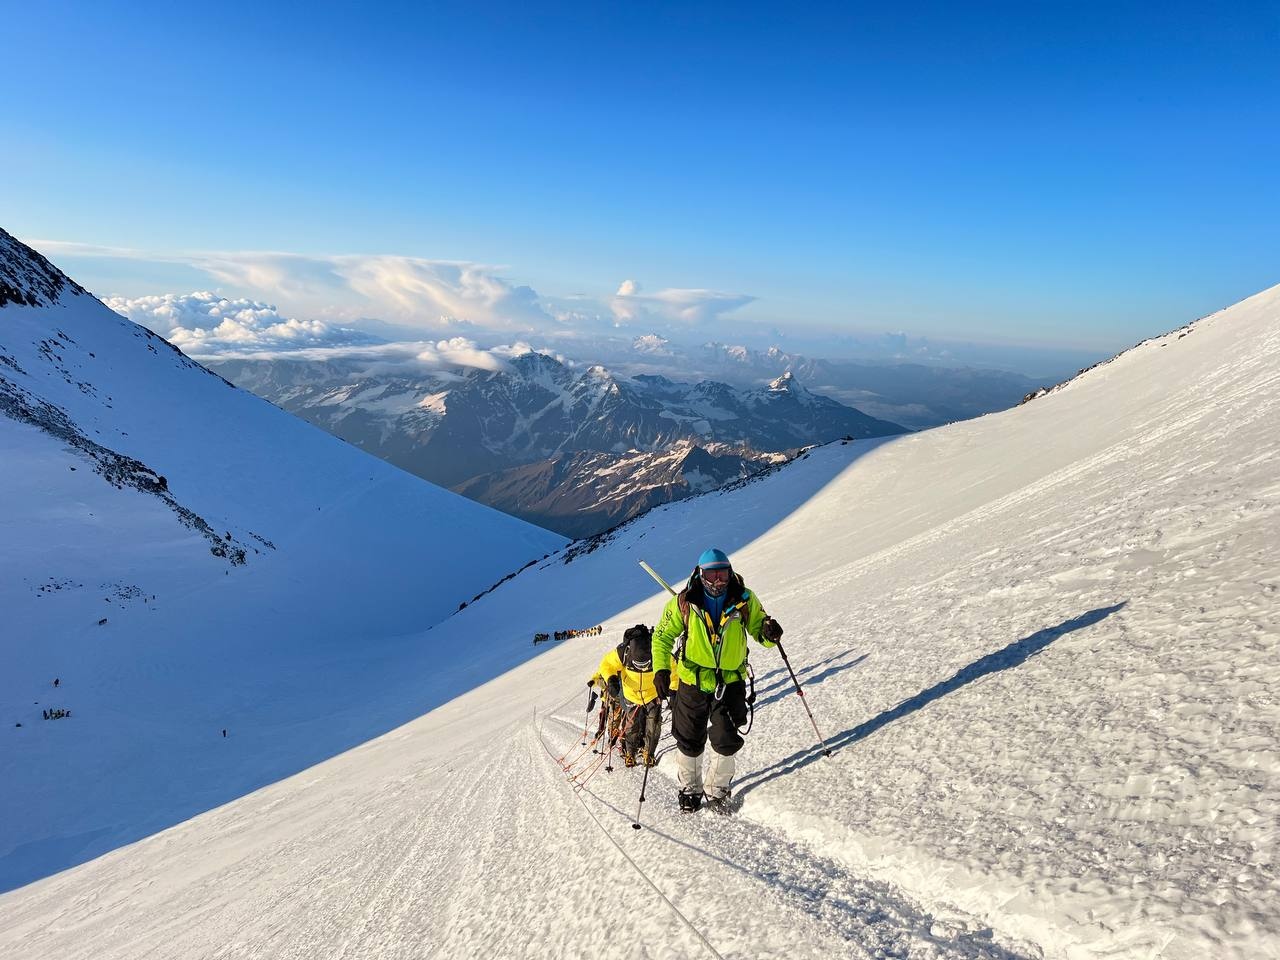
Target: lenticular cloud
206	324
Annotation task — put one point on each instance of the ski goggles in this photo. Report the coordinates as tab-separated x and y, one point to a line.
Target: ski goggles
715	574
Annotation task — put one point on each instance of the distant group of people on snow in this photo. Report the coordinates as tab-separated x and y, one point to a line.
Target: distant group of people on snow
568	634
696	659
57	714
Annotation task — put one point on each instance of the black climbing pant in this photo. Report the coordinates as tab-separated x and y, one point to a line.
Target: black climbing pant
695	710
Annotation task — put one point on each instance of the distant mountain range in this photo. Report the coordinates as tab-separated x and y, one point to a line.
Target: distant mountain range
915	395
580	494
187	478
573	449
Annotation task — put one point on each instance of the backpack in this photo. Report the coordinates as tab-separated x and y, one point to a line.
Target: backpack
636	651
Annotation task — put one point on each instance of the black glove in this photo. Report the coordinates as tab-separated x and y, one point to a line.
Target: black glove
771	630
662	684
615	686
591	682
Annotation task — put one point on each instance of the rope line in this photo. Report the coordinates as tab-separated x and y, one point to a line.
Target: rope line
644	876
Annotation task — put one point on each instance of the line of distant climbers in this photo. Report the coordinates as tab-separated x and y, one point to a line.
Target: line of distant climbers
56	714
568	634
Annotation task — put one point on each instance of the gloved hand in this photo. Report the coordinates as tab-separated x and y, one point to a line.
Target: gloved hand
591	682
662	684
615	686
771	630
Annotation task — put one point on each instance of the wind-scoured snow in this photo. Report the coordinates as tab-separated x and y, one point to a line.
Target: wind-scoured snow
1042	645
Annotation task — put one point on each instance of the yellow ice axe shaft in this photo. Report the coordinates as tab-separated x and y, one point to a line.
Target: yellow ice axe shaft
654	573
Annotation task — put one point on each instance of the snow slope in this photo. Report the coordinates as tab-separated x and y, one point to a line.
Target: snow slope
1042	645
185	557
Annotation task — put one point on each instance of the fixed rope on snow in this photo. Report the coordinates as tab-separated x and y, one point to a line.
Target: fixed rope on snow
638	869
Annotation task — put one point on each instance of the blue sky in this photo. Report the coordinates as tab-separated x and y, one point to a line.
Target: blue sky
1075	174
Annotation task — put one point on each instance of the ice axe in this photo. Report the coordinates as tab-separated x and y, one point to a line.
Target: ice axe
654	573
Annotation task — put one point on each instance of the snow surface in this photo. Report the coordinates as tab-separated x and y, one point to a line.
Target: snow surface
342	553
1042	645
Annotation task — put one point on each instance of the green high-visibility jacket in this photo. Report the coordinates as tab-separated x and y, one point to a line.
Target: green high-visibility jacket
708	646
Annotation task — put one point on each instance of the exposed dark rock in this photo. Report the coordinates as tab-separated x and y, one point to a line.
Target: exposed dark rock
27	278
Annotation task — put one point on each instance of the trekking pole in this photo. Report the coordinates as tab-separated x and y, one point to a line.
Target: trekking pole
602	719
610	728
826	751
608	757
643	783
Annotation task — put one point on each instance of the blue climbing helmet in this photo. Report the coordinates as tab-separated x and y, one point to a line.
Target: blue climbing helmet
717	563
713	559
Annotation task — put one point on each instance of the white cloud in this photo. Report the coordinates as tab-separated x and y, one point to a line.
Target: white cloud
404	357
428	294
209	326
441	297
686	307
460	352
206	324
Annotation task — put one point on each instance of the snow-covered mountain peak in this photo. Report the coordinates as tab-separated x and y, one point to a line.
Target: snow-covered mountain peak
787	382
652	344
735	352
531	363
27	278
537	369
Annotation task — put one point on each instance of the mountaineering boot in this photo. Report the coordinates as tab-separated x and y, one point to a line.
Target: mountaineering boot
689	776
721	803
690	802
628	759
647	758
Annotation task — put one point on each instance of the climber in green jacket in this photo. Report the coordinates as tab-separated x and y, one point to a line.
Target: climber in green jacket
715	613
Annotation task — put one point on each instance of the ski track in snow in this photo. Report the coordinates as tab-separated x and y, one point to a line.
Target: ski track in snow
828	911
411	868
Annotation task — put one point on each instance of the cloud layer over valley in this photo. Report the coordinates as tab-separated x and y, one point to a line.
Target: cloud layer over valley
273	302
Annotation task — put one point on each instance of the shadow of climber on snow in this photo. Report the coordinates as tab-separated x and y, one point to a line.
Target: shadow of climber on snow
1014	655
